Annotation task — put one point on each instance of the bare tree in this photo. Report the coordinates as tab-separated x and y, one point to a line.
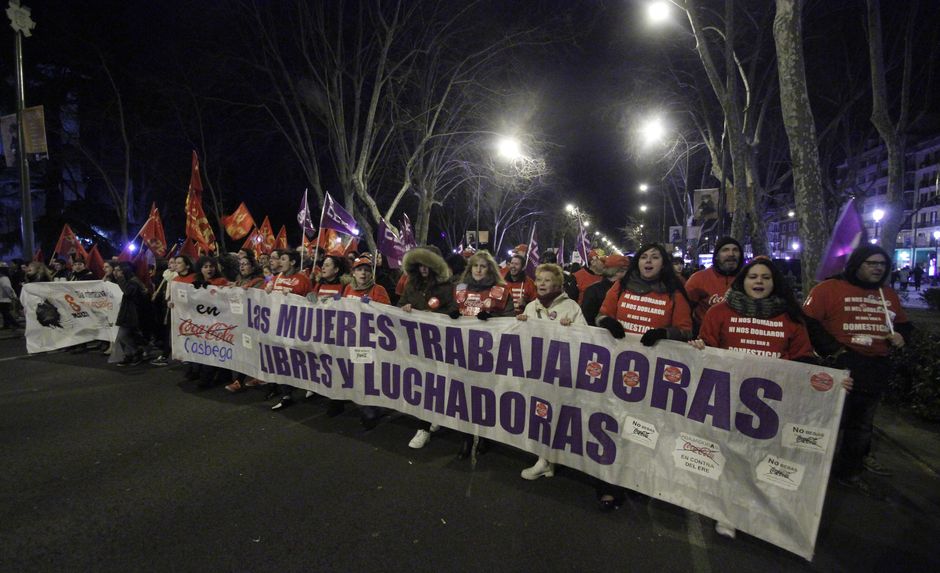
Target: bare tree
892	134
801	130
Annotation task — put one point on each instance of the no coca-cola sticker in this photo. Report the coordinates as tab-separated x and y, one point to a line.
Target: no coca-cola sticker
594	369
821	381
672	374
434	302
640	432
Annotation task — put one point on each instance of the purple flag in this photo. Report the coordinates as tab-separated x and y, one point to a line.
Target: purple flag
407	233
848	234
560	255
390	246
584	243
336	218
303	217
532	256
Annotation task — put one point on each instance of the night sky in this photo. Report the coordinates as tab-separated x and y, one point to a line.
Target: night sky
584	88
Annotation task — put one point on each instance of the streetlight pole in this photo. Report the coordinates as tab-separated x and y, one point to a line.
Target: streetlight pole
22	24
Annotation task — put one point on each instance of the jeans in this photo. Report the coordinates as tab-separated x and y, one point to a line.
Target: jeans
858	416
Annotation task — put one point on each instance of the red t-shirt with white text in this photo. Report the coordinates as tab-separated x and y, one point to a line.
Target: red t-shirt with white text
641	312
298	283
855	316
778	336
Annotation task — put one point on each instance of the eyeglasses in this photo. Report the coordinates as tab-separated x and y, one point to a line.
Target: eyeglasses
876	263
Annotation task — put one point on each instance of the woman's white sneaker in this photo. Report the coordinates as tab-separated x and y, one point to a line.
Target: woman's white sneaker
725	530
420	440
541	468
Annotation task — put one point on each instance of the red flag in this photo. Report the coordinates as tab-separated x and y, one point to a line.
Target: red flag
38	257
267	236
95	262
281	241
142	267
189	249
69	245
309	245
336	243
239	223
253	243
197	225
152	232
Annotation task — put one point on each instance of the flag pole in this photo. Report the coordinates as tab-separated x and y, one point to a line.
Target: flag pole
316	248
303	236
528	247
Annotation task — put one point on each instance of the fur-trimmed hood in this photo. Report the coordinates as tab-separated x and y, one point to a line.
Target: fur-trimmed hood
423	256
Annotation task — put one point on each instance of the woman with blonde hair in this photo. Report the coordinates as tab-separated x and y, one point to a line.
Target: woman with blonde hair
551	304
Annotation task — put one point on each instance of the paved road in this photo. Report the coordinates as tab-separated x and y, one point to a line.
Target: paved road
112	470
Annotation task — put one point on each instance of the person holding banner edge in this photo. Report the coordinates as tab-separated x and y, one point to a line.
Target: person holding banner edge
659	309
761	304
856	320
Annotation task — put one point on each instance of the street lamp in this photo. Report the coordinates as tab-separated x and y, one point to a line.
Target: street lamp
509	148
791	214
644	187
643	208
658	12
653	131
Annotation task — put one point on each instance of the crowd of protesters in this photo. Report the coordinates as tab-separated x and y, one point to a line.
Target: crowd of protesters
649	297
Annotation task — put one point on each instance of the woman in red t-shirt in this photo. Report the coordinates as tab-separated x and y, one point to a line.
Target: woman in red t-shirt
363	283
481	292
290	279
649	301
330	281
184	270
760	316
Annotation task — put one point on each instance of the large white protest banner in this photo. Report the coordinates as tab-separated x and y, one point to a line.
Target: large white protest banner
62	314
745	440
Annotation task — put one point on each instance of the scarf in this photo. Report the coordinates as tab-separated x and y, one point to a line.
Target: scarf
475	286
755	307
637	285
548	299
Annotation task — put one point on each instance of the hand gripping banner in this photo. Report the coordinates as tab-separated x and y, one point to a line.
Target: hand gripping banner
742	439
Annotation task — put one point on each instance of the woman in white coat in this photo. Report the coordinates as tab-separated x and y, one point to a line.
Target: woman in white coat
554	305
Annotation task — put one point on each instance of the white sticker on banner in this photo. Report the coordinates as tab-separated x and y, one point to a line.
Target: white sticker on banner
640	432
698	455
237	307
361	355
805	438
181	294
246	340
780	472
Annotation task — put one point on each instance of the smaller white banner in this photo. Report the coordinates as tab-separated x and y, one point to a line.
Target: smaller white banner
63	314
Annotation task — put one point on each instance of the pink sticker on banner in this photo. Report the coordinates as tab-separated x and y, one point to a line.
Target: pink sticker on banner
594	369
434	302
672	374
821	381
541	409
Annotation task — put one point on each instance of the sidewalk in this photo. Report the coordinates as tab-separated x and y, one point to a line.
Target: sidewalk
918	438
